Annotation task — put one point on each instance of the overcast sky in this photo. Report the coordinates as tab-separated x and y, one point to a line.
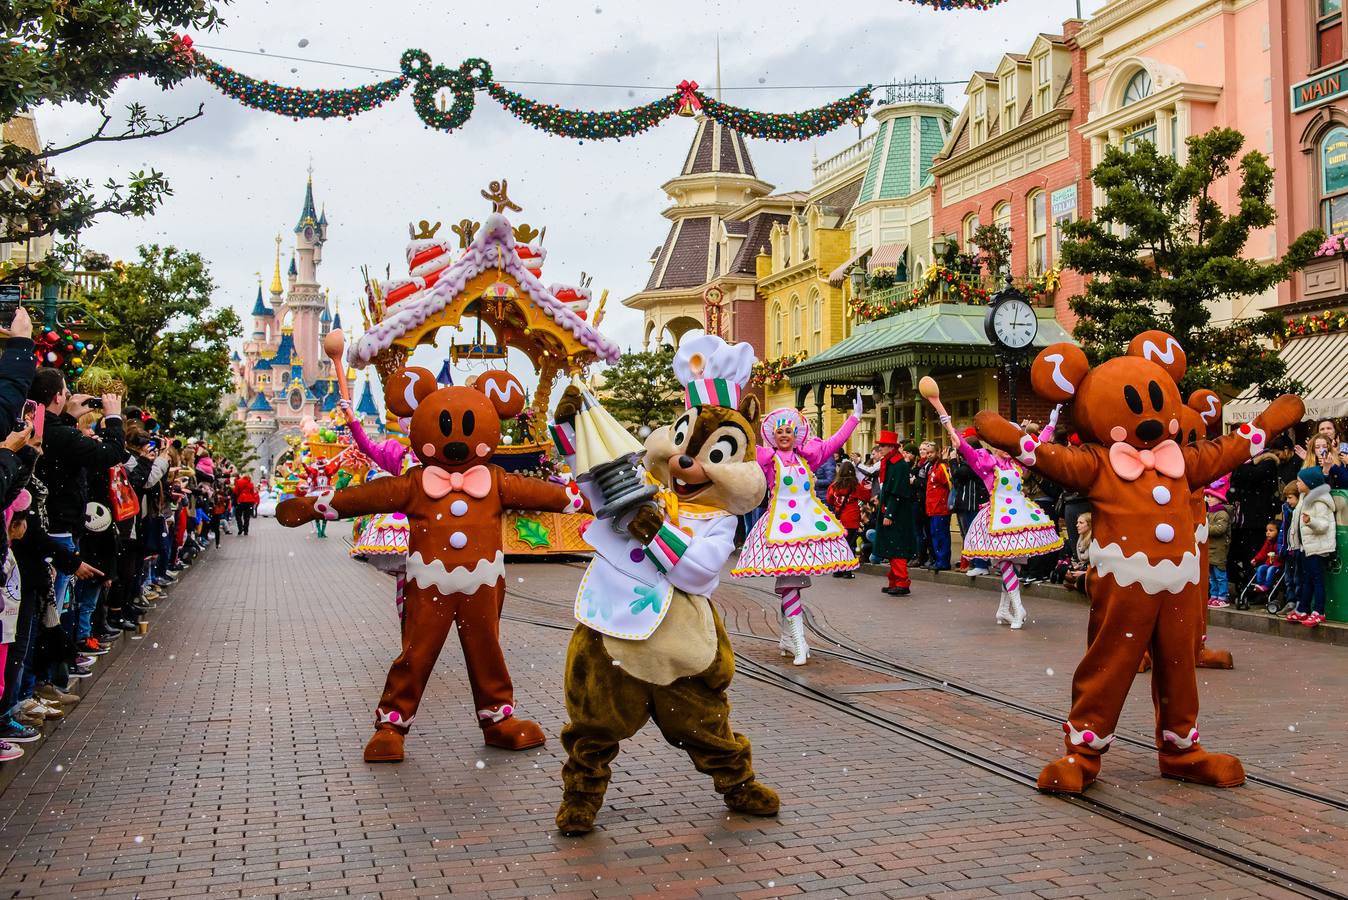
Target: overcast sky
238	174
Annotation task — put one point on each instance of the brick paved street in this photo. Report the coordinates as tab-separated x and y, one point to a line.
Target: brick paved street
221	757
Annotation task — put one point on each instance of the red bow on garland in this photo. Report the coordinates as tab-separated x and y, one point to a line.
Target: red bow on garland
689	105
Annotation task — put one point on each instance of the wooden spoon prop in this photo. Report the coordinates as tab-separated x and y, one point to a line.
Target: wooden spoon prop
928	388
334	347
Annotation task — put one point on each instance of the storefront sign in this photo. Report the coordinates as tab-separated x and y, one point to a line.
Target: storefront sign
1321	89
1064	202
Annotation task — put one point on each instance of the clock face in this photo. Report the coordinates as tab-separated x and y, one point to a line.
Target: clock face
1014	324
308	233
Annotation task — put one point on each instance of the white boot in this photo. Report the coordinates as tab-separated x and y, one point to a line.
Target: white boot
796	625
1017	611
1004	610
787	644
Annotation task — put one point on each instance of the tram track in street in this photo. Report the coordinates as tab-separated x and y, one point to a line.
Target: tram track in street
1265	869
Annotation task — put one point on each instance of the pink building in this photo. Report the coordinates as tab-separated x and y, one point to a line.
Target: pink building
1310	103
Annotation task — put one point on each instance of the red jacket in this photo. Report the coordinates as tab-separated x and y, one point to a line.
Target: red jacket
244	492
938	490
846	505
1268	554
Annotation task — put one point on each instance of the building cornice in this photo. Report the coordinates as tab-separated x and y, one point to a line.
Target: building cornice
1093	32
647	299
1041	128
800	272
715	180
913	199
1186	92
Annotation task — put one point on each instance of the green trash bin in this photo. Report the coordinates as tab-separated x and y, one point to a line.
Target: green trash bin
1336	579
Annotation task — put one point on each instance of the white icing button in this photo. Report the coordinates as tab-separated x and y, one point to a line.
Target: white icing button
458	508
457	540
1160	493
1165	533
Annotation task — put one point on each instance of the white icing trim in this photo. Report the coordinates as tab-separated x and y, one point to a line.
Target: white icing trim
1161	577
1058	378
1209	414
1087	737
1167	356
459	580
323	505
409	392
1201	533
1181	742
496	715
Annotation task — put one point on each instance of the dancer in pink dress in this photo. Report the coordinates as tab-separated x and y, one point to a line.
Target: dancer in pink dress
798	537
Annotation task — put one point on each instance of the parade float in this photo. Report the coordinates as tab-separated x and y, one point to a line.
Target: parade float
491	277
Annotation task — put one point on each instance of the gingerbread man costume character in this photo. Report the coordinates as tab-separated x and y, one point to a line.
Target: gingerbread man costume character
1144	577
455	564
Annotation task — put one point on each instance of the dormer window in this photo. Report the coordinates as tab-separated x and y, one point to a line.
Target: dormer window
1009	116
980	117
1043	83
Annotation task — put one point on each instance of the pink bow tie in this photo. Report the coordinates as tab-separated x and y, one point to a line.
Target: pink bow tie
436	482
1130	463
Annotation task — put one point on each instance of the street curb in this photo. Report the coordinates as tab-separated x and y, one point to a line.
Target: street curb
10	771
1242	620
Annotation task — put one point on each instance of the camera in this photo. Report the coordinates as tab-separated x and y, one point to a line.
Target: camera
93	403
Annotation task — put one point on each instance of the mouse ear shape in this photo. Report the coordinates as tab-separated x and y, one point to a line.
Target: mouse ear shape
407	388
1058	371
1208	406
504	391
751	411
1162	349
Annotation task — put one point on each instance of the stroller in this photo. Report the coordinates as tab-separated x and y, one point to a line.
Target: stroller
1276	601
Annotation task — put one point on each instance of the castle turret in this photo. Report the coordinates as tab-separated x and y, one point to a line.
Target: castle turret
305	300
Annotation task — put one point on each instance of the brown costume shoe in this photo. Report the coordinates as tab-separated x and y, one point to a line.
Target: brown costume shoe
385	746
753	798
1070	775
1215	659
513	734
576	814
1201	767
1145	665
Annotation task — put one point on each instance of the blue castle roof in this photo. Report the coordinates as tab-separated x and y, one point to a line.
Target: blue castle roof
235	356
308	215
293	269
365	406
260	308
325	316
260	404
263	364
285	350
337	320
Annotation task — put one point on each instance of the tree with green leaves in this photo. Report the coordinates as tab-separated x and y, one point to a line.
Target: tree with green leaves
994	245
641	390
165	341
1162	251
79	51
230	442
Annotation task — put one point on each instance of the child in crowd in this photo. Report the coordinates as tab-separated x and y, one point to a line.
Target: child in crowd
1219	542
1290	556
1312	531
16	526
1080	561
1267	562
845	497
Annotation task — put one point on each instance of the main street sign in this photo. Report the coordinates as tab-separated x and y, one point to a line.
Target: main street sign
1321	89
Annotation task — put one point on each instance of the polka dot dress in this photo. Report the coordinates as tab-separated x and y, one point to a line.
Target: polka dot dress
798	536
1009	525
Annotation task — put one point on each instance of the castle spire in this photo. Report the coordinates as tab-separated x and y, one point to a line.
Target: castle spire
308	215
276	272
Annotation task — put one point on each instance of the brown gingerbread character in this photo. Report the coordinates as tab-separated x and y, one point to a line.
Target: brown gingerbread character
455	564
1144	577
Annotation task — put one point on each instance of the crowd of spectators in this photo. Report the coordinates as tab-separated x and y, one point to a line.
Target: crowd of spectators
101	514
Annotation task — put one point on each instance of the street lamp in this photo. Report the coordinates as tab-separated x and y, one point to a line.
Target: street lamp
939	246
858	278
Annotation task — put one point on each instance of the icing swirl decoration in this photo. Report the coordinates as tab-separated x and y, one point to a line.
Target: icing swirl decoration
433	86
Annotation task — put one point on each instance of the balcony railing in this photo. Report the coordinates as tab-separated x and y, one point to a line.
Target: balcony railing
849	157
962	288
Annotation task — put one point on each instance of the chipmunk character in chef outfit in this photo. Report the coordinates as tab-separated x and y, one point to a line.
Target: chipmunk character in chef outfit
455	564
1144	578
649	644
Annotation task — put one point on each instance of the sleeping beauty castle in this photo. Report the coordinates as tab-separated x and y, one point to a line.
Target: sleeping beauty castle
282	376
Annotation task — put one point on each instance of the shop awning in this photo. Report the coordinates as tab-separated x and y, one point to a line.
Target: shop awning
942	334
1320	363
839	275
887	256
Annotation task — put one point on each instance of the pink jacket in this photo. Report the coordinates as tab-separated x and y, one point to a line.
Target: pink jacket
387	455
814	451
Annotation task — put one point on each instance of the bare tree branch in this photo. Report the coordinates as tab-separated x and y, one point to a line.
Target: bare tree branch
129	135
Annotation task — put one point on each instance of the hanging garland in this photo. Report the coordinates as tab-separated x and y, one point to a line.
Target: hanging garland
474	75
957	4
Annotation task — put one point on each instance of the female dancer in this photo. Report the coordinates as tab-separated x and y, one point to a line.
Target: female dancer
797	538
383	540
1009	528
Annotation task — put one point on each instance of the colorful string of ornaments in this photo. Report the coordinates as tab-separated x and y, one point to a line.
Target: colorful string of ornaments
432	85
957	4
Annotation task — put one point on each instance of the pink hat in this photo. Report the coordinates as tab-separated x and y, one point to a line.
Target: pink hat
1218	488
20	504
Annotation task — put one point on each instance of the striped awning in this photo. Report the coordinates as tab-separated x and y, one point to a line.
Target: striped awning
839	275
887	256
1320	363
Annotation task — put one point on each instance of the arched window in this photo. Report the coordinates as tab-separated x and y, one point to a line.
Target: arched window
1001	216
1037	213
816	324
778	322
797	314
1138	88
1334	181
970	228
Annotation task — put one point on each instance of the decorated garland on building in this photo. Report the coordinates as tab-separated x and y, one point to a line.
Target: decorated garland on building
945	5
941	279
1321	323
772	372
429	82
